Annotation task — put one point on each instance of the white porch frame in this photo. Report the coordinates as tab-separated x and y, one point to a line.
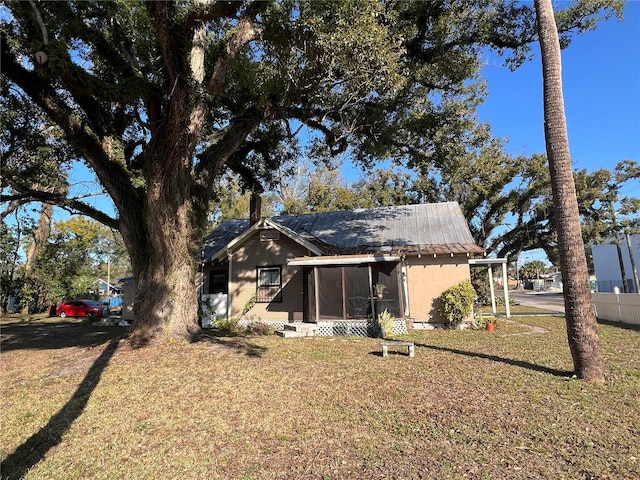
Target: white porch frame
505	280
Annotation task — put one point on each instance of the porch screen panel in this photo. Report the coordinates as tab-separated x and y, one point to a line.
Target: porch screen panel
309	295
356	279
330	292
388	273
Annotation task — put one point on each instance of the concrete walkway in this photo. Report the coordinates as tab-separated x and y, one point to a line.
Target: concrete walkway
531	328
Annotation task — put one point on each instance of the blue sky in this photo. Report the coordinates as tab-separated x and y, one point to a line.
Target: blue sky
601	83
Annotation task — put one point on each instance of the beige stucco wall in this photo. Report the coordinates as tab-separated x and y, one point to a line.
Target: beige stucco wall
427	278
242	282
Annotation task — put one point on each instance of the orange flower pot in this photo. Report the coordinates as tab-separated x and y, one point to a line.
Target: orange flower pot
491	327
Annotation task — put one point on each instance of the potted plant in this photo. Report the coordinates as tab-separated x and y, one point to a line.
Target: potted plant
484	322
380	289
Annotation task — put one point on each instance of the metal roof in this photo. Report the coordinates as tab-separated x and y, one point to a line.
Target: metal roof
432	228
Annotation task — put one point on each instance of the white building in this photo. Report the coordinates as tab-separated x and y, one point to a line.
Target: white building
607	264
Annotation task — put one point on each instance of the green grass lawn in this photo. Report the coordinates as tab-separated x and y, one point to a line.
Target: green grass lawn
77	403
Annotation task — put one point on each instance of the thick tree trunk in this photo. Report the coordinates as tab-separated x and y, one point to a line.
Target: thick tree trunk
580	314
164	258
166	302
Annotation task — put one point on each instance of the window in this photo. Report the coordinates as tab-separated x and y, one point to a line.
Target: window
218	281
269	287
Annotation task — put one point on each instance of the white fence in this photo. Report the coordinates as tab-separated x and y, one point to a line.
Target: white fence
617	307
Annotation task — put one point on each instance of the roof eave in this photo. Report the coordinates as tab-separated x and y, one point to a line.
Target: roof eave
263	223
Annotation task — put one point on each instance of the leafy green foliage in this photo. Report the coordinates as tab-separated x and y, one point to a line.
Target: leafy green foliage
9	267
73	258
385	324
249	305
480	322
532	269
227	326
35	155
456	302
260	328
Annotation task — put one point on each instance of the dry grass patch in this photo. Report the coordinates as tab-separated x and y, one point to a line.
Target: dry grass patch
471	404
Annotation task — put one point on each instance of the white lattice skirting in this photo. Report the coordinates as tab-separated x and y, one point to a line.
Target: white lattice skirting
277	325
355	328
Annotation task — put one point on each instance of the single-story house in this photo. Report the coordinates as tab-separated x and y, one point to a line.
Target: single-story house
328	267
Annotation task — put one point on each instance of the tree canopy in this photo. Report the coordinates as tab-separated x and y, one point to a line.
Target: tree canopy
161	98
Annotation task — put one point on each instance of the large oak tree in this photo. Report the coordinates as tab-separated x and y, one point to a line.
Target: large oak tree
161	98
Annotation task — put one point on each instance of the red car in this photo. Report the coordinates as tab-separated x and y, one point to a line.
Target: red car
79	308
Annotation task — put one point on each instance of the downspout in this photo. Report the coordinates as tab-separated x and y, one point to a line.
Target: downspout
405	286
229	273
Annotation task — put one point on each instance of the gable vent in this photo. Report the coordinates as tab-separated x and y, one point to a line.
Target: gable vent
269	235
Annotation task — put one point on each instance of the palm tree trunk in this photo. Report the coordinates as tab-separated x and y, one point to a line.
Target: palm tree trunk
579	311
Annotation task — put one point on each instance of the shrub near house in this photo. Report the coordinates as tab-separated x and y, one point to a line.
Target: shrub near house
456	303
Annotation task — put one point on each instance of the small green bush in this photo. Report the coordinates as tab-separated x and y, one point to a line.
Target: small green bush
456	302
260	328
227	325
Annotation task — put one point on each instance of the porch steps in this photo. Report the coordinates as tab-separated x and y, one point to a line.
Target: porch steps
298	329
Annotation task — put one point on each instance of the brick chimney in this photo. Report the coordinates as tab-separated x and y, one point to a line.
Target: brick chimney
255	208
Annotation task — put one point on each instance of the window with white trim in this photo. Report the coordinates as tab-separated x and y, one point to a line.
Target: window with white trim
269	287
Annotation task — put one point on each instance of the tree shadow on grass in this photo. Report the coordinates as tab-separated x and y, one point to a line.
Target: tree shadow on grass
34	449
625	326
237	343
39	335
508	361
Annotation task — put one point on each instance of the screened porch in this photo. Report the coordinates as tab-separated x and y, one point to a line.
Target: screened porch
348	291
